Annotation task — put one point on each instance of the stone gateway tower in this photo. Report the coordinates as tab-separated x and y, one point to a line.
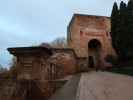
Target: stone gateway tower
89	36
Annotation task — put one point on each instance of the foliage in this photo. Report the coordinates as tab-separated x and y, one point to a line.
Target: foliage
11	73
4	73
122	30
2	69
111	59
13	69
114	27
60	42
130	29
127	70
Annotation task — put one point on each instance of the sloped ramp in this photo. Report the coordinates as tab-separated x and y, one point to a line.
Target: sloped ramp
69	90
97	86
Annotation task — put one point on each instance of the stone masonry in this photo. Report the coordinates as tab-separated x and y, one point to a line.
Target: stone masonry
84	28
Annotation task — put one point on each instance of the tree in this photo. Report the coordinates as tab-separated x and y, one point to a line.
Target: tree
122	30
115	27
59	43
13	68
129	29
2	69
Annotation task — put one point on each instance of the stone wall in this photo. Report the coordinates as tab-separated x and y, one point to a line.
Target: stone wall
39	71
32	67
31	62
82	64
28	89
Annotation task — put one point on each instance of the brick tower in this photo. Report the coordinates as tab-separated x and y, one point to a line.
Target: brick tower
90	37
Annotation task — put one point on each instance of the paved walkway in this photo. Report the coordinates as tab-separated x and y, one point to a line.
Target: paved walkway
105	86
69	90
97	86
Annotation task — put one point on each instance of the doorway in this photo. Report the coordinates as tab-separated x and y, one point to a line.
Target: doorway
91	62
94	49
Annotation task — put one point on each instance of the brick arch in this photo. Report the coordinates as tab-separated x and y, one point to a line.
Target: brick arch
94	44
94	53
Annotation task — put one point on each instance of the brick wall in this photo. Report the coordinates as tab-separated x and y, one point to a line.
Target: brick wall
84	28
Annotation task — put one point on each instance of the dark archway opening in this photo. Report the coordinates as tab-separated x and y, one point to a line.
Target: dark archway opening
91	62
94	44
94	47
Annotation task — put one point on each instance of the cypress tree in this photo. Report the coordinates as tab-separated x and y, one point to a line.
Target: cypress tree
122	30
123	18
129	35
115	27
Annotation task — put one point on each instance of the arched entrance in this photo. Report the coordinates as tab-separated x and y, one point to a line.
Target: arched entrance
94	49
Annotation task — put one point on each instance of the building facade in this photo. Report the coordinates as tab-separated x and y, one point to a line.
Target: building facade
89	36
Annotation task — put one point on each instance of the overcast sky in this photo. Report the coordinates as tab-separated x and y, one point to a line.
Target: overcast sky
31	22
